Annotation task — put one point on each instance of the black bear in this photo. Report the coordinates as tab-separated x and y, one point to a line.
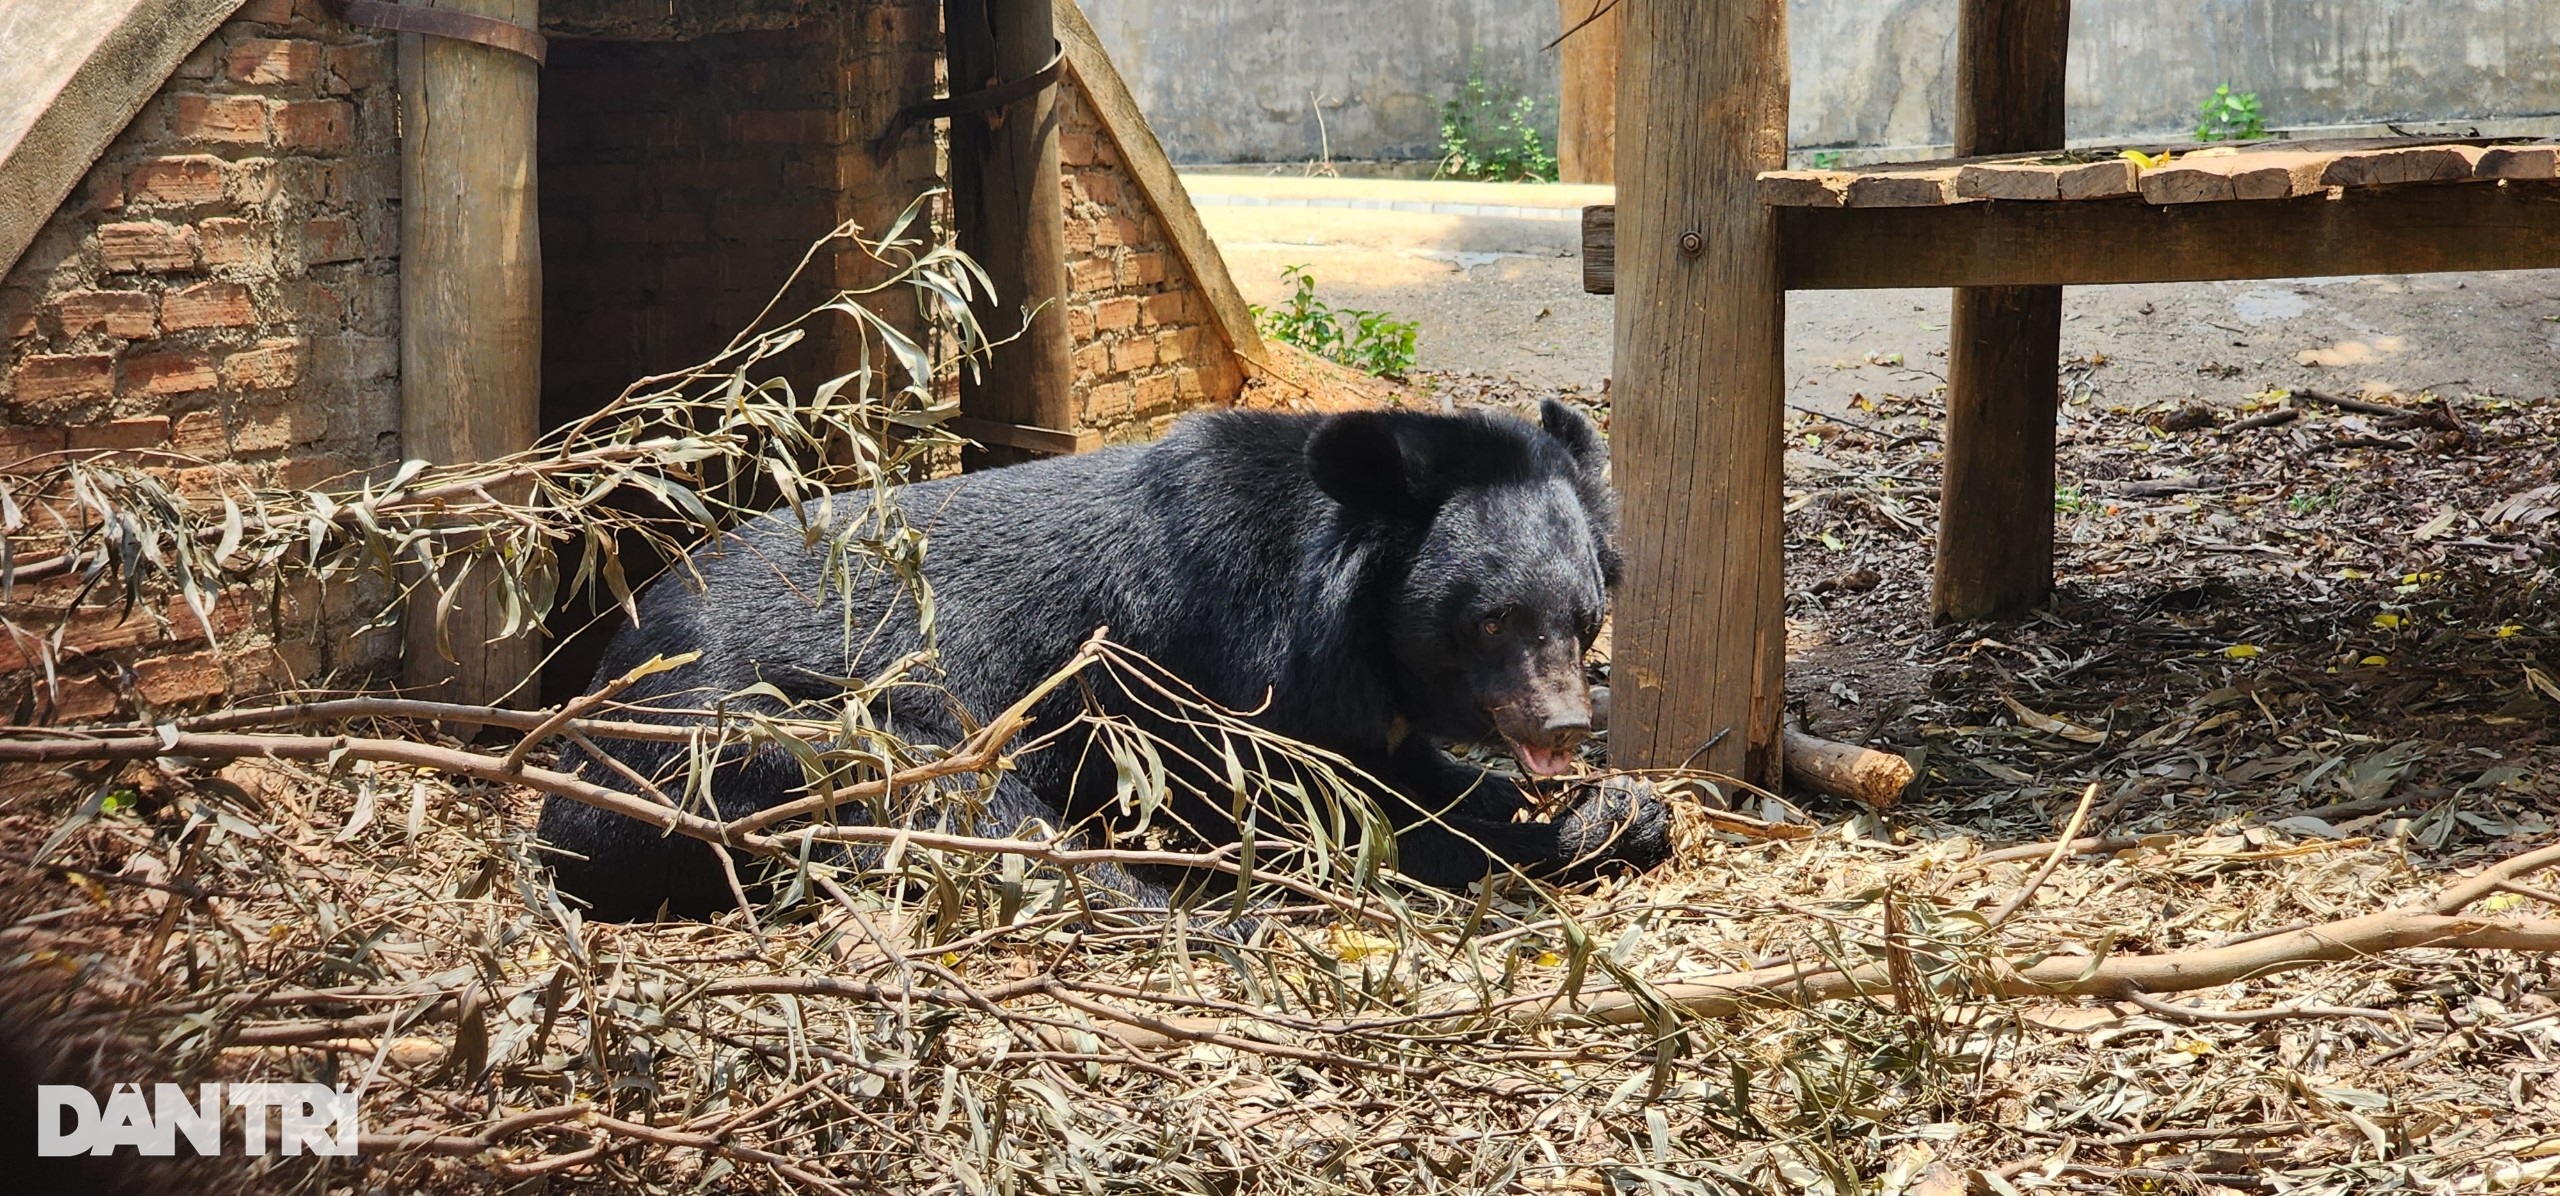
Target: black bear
1375	583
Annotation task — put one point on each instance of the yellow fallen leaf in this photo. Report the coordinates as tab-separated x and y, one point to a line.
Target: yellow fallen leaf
2241	651
2374	661
1350	944
2196	1047
2387	621
2053	726
2510	631
1548	959
2500	902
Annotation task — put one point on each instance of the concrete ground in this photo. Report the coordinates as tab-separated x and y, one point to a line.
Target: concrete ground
1492	273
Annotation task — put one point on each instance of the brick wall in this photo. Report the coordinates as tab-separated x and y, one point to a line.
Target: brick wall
1145	348
222	286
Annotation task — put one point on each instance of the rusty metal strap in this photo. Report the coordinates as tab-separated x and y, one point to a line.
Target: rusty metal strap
442	22
987	99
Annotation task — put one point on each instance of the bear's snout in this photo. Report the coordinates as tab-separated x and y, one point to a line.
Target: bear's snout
1543	730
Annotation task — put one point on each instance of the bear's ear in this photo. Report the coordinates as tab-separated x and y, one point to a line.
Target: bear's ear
1358	462
1576	434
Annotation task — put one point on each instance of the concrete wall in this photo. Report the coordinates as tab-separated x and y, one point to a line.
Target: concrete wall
1232	80
1245	80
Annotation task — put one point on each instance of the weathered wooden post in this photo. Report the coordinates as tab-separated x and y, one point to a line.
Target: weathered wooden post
1699	674
1010	217
470	310
1995	504
1587	95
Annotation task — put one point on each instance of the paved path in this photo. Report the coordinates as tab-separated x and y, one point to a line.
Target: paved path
1491	272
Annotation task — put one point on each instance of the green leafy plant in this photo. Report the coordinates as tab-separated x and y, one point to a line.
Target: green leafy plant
1492	135
1826	159
2231	116
1373	342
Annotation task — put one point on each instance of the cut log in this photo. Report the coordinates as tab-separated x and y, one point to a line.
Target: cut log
2040	181
1846	770
2222	178
2405	164
1903	189
1600	249
1805	188
2537	161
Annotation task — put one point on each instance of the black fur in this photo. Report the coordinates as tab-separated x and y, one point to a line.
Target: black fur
1375	583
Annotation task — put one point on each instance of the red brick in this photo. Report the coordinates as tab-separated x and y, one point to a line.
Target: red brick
51	378
331	239
1092	360
1075	147
1112	315
146	245
318	125
266	62
1099	187
106	192
228	241
148	433
1135	353
173	373
1079	239
1142	269
18	444
209	305
1110	402
273	365
128	314
181	680
76	700
199	434
311	473
354	68
201	62
1089	275
1156	394
193	179
1170	307
238	120
1079	324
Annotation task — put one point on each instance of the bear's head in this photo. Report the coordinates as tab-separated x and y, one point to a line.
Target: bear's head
1497	538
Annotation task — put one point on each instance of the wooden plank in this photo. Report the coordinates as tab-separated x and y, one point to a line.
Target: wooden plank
2210	177
1144	158
2537	161
2041	182
2405	230
1995	495
1902	189
1700	664
2404	165
1805	188
1010	216
1587	93
1600	249
470	316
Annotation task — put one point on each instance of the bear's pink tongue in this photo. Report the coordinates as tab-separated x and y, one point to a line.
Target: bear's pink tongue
1541	762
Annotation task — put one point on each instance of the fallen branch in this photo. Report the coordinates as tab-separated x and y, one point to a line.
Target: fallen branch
1846	770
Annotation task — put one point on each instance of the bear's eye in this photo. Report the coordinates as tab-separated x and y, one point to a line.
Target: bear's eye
1492	624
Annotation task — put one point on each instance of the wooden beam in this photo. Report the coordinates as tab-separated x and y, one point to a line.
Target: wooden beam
470	316
1700	384
1587	91
2406	230
1995	497
2452	228
1144	158
1010	216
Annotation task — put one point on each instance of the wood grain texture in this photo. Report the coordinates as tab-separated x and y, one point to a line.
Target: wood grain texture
1600	249
2237	176
2537	161
470	313
2404	165
2404	230
2039	182
2419	230
1010	216
1144	158
1587	92
1805	188
1700	383
1902	189
1995	497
